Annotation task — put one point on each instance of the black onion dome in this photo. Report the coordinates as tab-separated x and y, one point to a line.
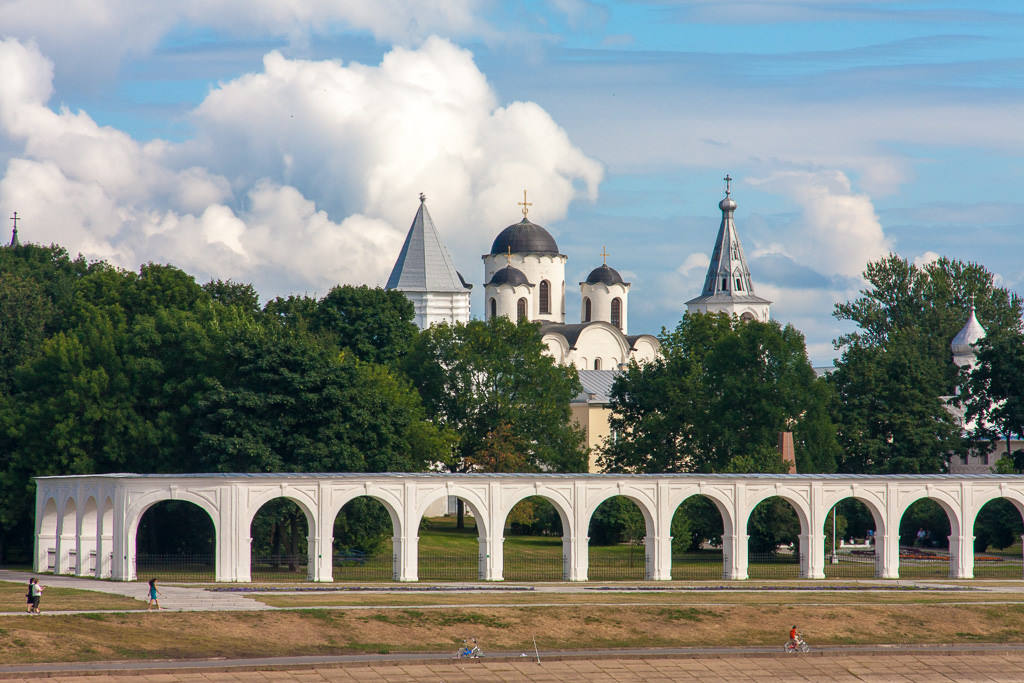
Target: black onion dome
524	237
604	275
508	276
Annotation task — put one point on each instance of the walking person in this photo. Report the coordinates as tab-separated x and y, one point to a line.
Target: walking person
153	595
36	593
28	595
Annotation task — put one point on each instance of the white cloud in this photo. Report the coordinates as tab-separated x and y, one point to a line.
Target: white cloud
838	231
926	258
694	262
299	177
90	37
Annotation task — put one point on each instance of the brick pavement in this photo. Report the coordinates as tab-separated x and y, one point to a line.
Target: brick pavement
880	668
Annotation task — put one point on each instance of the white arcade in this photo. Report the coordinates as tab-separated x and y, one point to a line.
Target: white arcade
86	524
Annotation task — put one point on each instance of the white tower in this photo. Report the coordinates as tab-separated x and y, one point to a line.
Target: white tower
524	256
964	354
728	287
425	273
603	297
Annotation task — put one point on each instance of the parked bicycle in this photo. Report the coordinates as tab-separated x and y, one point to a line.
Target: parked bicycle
468	650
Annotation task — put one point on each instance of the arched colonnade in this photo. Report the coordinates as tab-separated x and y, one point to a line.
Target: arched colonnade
86	524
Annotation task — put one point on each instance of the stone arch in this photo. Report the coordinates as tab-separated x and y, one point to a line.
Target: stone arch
945	501
451	567
46	543
88	531
363	567
995	562
470	497
390	502
775	564
140	506
564	510
851	566
697	565
800	506
300	497
646	507
67	537
1014	497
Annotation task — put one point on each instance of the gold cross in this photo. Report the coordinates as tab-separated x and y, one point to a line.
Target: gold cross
525	204
604	255
508	256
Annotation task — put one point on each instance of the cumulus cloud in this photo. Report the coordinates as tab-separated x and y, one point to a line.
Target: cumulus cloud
90	36
299	177
838	231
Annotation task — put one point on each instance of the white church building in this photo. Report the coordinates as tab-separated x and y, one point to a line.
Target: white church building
524	278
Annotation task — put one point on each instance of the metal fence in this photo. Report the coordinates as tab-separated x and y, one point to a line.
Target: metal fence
175	567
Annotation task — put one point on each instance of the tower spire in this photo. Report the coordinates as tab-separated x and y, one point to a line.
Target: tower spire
14	232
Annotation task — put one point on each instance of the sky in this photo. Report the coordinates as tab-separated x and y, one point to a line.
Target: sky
285	143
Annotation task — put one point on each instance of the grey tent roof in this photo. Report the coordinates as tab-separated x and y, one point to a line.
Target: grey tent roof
424	264
728	263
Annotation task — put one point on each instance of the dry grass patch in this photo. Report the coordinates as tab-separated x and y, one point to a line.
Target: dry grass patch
12	597
191	635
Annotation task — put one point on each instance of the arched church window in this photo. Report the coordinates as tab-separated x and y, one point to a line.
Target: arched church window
617	312
586	309
521	309
597	363
494	307
545	297
725	283
739	285
747	317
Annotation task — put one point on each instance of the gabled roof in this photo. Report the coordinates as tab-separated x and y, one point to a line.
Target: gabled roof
424	264
597	386
728	264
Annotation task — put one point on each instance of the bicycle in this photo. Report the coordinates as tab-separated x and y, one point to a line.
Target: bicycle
469	652
796	645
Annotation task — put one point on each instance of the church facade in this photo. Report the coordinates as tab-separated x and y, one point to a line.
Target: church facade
524	279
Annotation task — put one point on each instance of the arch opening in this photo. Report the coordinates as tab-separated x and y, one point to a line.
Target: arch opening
175	540
545	298
587	309
448	550
924	540
697	529
494	307
279	541
997	540
617	313
773	549
618	528
851	531
535	541
363	548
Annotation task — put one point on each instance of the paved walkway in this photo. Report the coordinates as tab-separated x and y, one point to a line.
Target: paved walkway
178	598
989	666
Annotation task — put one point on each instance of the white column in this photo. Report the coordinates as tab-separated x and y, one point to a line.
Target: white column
658	550
887	551
812	555
578	542
492	557
961	556
734	556
405	543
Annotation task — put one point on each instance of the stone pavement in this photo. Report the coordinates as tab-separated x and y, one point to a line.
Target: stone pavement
177	598
882	667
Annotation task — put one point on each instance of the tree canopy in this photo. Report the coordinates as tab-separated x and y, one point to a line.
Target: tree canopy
717	400
896	373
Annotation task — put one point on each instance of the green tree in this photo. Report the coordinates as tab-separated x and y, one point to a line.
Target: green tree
717	400
232	293
374	324
492	385
993	394
896	368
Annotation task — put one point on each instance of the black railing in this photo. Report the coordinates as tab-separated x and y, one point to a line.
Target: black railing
174	567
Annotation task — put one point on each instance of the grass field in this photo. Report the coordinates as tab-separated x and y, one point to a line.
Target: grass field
12	597
299	632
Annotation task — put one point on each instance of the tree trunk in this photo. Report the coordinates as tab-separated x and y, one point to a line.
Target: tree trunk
460	514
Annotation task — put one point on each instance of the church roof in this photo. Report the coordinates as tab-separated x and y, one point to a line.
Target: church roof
509	276
968	335
597	386
728	278
424	264
524	237
605	275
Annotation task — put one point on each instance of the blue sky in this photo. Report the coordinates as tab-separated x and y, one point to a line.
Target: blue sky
286	144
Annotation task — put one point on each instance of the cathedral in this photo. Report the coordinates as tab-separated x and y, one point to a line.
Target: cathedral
524	278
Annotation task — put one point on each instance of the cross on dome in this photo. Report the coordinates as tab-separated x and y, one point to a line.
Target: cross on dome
728	182
14	233
604	254
525	204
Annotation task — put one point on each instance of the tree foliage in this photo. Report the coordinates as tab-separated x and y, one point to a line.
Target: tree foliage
491	384
717	400
896	369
